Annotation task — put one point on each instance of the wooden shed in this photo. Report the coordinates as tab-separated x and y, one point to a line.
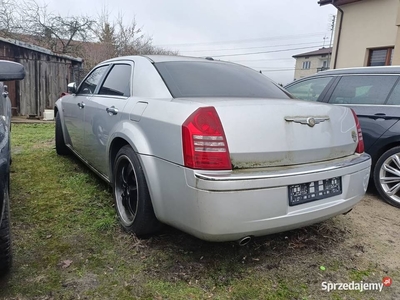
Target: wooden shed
47	76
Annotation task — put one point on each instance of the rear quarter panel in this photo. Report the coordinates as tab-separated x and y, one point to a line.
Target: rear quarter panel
374	126
159	130
390	139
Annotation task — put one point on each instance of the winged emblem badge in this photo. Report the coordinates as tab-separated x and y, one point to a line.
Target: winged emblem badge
310	121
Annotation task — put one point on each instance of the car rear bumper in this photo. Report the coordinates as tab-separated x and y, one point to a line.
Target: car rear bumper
226	206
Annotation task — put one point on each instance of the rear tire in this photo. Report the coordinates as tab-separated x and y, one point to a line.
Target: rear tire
5	236
131	194
387	176
61	148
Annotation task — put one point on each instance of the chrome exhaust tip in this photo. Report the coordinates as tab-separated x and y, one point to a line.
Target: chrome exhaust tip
244	241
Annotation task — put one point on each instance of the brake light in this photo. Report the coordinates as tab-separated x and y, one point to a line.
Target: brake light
204	142
360	145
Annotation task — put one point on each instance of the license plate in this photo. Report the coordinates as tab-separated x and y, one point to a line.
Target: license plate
315	190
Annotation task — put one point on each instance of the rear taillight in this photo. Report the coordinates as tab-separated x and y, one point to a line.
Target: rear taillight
360	145
204	142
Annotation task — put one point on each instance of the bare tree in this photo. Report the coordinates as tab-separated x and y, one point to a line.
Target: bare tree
7	18
126	37
30	21
132	41
58	33
93	40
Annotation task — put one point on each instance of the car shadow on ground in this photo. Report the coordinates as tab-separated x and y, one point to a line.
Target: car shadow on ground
193	257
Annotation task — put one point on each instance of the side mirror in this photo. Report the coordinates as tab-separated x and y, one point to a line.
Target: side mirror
10	70
71	88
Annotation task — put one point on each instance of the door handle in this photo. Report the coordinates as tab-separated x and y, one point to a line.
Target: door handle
112	110
379	116
81	105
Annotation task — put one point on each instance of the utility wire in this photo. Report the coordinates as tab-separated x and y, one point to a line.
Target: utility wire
283	69
263	52
258	47
265	59
281	37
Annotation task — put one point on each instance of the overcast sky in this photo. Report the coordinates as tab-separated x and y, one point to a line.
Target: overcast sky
220	28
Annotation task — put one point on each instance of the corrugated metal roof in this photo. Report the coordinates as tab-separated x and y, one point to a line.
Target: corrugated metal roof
321	51
39	49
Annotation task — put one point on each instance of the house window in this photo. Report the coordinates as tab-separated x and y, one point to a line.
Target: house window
380	57
306	65
325	64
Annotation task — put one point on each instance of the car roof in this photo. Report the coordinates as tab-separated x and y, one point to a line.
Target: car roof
362	70
163	58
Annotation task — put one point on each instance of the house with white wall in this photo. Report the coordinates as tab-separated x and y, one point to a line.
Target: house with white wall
367	33
312	62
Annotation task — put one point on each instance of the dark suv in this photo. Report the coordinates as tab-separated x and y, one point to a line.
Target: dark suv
374	94
8	71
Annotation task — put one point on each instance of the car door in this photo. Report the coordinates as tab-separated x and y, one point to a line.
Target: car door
367	95
311	89
74	107
103	111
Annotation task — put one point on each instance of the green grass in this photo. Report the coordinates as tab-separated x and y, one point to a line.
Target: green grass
61	212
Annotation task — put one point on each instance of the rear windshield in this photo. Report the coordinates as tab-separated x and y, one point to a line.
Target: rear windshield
216	79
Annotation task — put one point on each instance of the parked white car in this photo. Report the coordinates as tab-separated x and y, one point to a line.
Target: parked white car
212	148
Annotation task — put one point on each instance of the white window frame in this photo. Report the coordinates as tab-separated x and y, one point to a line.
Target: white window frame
306	65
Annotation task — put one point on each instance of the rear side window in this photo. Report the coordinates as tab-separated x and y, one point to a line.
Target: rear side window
118	81
394	98
216	79
363	89
309	89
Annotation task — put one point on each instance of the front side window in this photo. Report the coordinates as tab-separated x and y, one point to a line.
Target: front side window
90	83
380	57
309	89
363	89
118	81
306	65
216	79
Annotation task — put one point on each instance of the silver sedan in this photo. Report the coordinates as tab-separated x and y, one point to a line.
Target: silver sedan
212	148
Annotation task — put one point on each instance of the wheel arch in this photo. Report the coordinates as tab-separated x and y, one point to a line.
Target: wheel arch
379	151
127	133
136	140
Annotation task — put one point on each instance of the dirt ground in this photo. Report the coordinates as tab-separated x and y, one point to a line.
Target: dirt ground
372	242
364	243
376	226
362	246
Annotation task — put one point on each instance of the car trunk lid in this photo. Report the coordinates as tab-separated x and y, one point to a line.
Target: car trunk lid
268	132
